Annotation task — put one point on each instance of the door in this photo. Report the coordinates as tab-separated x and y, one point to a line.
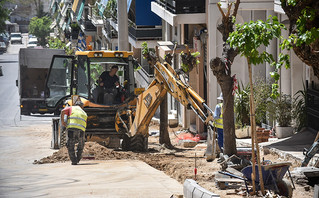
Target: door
59	80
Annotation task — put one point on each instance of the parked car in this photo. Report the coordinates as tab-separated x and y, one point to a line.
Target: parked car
4	37
16	37
33	42
3	47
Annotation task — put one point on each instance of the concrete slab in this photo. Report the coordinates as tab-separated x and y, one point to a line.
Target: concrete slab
114	178
20	146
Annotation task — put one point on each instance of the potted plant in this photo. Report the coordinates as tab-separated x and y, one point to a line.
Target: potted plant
283	114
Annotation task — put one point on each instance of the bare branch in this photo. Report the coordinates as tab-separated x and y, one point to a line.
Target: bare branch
221	10
228	11
236	8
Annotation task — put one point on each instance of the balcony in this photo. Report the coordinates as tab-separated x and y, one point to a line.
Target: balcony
108	31
183	6
145	33
253	4
87	27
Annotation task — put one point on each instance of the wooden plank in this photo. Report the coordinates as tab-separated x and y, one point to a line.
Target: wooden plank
234	180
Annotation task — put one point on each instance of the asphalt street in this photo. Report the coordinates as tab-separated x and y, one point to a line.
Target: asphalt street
9	92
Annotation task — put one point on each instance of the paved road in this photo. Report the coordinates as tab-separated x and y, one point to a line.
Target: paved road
9	93
28	138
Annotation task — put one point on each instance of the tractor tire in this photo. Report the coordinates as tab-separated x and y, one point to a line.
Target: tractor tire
138	143
285	188
126	143
62	132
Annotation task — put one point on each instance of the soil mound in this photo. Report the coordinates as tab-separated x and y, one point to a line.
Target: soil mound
91	150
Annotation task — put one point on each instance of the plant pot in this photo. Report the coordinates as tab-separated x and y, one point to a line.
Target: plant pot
243	132
282	132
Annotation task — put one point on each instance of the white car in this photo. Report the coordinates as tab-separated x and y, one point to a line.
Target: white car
33	42
16	37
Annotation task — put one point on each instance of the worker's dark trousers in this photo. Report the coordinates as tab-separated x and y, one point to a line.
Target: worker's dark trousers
220	138
75	136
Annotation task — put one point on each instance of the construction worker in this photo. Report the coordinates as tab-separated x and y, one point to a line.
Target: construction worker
218	118
76	125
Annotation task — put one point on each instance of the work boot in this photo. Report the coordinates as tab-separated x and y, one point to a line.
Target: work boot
74	163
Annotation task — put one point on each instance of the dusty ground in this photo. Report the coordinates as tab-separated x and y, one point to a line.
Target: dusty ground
178	163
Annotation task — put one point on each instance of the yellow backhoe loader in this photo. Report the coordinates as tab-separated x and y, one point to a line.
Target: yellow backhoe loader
124	121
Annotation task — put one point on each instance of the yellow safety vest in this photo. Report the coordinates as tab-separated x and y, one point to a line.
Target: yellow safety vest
77	119
219	121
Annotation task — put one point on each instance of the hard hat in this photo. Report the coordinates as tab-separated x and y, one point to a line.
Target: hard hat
220	97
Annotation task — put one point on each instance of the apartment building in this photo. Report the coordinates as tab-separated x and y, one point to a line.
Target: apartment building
165	22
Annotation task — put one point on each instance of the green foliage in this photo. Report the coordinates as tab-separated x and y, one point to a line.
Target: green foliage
189	61
40	27
283	112
306	32
263	100
56	43
144	48
96	70
111	9
248	37
300	108
242	105
4	15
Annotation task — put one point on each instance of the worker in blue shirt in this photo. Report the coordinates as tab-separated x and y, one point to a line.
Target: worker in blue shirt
218	121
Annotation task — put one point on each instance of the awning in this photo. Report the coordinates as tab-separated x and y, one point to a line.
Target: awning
128	4
58	18
53	24
53	8
62	21
52	3
63	26
81	10
75	5
65	9
101	6
68	23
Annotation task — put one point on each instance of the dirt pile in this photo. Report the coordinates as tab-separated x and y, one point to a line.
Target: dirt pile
179	163
91	150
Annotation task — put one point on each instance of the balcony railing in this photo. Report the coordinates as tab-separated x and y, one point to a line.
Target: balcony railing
109	30
145	33
87	24
183	6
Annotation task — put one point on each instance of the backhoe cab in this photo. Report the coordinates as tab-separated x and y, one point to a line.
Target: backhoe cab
79	75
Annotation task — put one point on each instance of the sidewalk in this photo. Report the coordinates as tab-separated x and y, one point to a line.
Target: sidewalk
290	148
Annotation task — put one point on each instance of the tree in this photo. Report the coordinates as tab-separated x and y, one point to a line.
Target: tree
246	39
303	16
40	27
39	8
4	15
56	43
221	68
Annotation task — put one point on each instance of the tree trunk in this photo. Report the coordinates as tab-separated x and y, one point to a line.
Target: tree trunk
228	117
164	136
221	68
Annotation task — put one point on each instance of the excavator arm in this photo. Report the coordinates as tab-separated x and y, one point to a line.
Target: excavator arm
166	80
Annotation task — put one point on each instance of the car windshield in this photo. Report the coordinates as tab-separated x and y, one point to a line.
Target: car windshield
33	42
15	35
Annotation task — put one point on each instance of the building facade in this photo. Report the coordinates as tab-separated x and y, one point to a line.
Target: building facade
164	23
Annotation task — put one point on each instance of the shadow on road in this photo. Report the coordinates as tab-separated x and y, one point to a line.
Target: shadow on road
296	143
